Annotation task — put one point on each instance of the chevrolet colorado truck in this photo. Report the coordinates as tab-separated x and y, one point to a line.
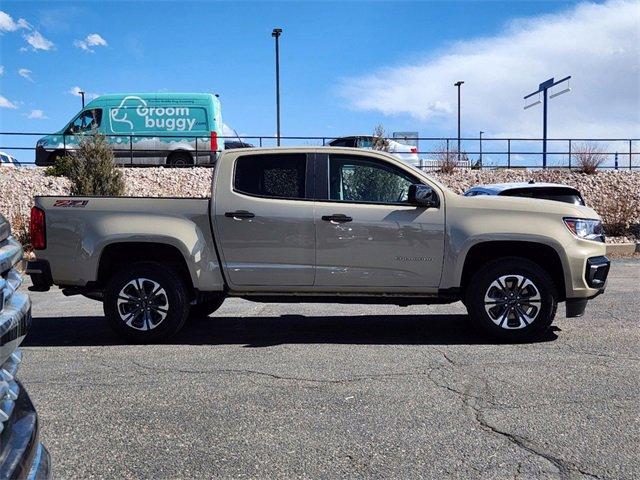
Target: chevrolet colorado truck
22	456
322	224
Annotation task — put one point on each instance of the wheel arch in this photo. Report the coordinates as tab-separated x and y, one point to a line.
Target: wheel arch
115	256
542	254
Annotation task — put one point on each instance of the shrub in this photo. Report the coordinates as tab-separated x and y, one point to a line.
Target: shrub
588	157
20	230
620	213
448	160
92	169
60	168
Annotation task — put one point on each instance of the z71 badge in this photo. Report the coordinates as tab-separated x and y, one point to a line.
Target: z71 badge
71	203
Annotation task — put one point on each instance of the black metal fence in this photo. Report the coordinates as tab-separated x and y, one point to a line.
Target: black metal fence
486	153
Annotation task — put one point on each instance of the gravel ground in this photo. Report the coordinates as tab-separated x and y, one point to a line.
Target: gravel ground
334	391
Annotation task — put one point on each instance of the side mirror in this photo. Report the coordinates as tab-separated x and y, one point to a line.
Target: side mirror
423	196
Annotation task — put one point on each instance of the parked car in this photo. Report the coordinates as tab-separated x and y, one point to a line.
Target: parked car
229	144
21	453
544	191
7	160
175	129
320	225
406	153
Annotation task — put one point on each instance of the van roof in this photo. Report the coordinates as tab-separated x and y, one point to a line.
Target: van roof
102	99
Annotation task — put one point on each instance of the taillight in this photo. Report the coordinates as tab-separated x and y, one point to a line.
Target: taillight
414	149
37	229
214	141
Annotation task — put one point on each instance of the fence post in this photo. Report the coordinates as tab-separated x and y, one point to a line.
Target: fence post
260	138
131	150
569	154
196	162
616	161
447	148
630	155
509	153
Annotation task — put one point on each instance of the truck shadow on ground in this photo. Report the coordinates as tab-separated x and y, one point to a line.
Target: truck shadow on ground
254	332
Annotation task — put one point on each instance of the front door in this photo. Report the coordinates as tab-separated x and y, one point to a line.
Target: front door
367	234
264	220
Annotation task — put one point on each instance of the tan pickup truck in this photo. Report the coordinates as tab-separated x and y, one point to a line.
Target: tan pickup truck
320	224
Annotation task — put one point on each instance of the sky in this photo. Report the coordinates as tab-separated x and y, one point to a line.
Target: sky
345	66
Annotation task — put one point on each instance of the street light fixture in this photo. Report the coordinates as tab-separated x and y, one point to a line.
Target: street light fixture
458	84
542	88
276	34
81	93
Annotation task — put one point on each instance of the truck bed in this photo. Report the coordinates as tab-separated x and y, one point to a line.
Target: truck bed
81	228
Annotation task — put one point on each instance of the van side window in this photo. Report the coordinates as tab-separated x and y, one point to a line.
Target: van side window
360	179
87	120
275	176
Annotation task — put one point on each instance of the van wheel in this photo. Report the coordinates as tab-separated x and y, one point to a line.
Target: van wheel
180	159
146	302
206	308
512	299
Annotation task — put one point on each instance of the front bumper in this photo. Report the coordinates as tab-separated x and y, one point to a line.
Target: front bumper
595	275
43	157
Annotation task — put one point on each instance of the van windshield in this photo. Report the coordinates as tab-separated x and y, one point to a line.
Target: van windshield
87	120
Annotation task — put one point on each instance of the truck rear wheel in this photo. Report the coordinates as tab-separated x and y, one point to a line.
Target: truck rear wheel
146	302
512	299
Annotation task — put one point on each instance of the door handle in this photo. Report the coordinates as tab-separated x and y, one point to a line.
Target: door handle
239	214
337	217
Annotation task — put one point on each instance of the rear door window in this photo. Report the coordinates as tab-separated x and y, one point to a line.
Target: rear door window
272	176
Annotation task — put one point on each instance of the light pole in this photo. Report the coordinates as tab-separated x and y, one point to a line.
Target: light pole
276	34
458	84
542	88
81	93
481	132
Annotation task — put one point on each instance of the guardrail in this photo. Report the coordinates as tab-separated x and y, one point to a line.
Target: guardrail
485	152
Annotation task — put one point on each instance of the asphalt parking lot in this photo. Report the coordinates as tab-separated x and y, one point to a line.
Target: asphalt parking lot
339	391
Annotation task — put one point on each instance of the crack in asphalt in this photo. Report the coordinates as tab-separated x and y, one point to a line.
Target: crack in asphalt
474	402
478	404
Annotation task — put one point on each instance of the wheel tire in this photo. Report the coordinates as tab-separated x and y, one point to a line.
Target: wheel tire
206	308
168	309
180	159
521	299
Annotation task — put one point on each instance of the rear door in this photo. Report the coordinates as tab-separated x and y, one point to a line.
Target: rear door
264	221
368	235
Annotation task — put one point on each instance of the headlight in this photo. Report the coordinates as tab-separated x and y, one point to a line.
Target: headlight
585	228
42	143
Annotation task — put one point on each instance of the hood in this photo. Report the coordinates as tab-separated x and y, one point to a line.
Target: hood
496	202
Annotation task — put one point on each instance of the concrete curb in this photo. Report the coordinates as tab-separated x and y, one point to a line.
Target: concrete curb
623	248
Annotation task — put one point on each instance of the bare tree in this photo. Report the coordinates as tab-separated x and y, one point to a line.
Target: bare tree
588	157
380	141
448	159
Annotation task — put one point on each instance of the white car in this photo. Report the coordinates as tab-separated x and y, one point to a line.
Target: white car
406	153
8	160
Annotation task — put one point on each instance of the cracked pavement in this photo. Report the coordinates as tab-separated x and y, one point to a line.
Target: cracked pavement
282	391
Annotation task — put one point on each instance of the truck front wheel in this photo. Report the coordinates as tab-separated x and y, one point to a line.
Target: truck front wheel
512	299
146	302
